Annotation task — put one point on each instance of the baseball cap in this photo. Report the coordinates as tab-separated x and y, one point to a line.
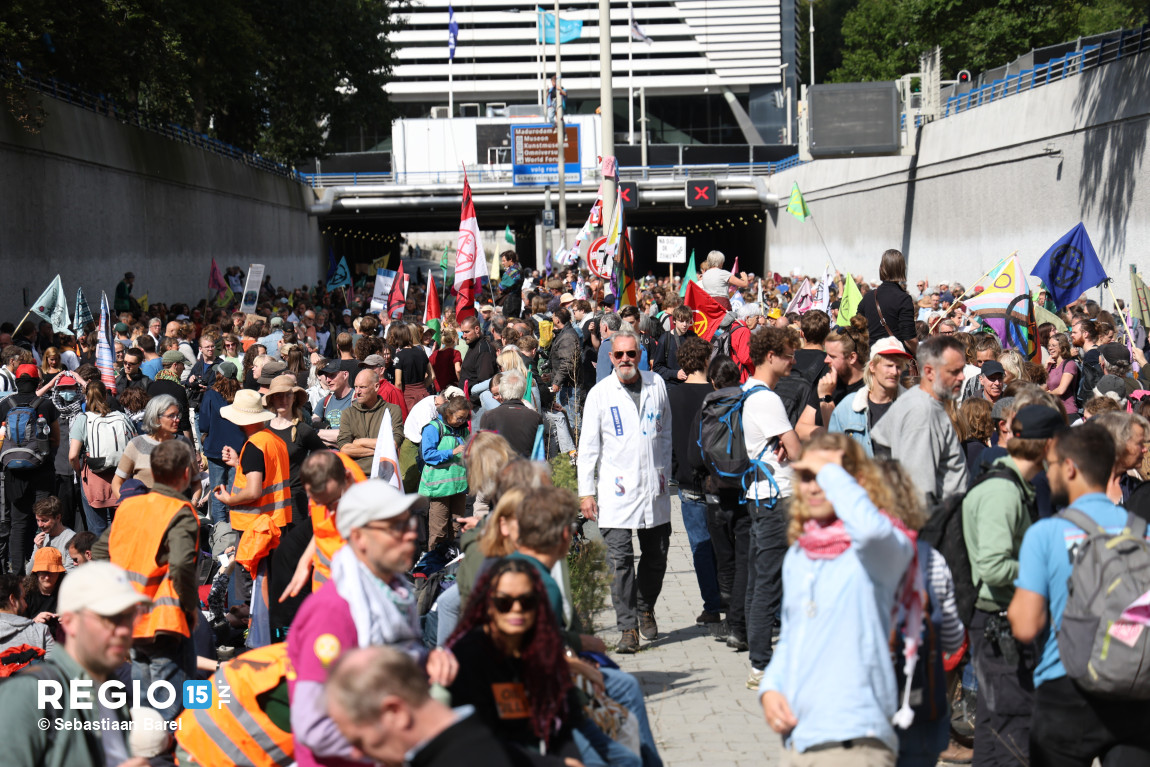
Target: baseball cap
227	370
103	589
889	347
993	367
1112	387
133	487
27	370
1037	422
1001	408
171	357
371	501
347	312
775	313
331	368
565	299
1115	352
66	380
487	308
120	327
277	322
372	361
269	371
946	297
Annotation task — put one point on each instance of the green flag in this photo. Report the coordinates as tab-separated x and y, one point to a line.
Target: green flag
798	206
443	259
690	276
507	235
1042	314
52	306
849	305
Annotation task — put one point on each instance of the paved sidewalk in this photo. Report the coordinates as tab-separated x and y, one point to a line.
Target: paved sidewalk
701	711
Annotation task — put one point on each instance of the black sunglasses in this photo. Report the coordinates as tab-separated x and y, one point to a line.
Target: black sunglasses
628	353
503	603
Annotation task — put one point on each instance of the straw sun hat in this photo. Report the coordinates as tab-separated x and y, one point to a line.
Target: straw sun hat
246	409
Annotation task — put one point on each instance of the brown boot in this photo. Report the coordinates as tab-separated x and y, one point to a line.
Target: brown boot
956	753
628	643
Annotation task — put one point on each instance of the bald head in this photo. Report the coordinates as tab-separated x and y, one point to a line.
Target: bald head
367	388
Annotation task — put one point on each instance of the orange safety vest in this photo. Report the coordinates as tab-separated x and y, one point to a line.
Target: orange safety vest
276	498
235	732
134	542
327	538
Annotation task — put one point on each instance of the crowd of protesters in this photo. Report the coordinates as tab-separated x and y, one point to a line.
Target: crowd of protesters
892	549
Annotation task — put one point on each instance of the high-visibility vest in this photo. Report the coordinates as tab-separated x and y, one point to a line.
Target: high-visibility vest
134	542
238	733
327	538
276	498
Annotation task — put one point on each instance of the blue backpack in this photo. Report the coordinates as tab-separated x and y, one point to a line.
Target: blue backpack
722	445
25	439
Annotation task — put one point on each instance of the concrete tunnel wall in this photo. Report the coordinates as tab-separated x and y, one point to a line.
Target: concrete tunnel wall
91	198
1016	174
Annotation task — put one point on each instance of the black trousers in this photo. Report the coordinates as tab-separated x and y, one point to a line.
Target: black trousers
1003	713
765	577
635	590
730	527
1071	729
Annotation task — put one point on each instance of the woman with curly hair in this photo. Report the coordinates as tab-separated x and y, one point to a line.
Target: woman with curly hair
831	679
511	663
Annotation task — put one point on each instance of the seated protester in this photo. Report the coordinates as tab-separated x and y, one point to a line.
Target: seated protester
511	665
52	532
15	629
80	548
1070	726
42	587
369	688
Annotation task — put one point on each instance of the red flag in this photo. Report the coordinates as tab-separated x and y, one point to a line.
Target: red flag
708	312
470	261
396	298
216	280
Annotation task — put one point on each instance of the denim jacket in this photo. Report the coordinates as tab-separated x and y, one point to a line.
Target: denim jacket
852	417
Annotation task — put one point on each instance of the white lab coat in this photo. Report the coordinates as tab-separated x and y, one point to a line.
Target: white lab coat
629	450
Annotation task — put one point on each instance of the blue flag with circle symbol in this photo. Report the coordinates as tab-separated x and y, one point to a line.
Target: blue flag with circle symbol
1070	267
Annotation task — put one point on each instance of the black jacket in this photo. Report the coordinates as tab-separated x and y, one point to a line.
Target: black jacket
665	363
897	309
517	423
478	366
469	742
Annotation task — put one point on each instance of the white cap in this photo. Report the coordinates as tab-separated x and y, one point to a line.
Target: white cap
101	587
889	347
370	501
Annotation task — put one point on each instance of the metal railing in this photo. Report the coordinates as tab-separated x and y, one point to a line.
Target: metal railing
102	105
1125	43
502	174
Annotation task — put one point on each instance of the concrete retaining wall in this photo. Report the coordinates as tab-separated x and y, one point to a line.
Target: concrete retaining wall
1013	175
91	198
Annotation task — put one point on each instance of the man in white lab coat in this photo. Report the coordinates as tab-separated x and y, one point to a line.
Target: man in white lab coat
624	466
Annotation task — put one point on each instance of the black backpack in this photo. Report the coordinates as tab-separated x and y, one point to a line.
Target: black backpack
721	442
943	531
1089	376
795	392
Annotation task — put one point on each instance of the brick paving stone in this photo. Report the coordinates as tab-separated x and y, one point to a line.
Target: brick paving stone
699	706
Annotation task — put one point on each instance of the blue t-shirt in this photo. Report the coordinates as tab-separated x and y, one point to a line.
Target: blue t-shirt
151	367
603	366
1044	567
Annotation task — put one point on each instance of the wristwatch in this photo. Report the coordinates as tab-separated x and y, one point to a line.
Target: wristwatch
827	399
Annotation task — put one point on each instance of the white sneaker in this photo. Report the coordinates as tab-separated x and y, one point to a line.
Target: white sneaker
755	677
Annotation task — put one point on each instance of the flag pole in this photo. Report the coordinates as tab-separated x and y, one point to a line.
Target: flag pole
1122	313
26	315
973	285
630	75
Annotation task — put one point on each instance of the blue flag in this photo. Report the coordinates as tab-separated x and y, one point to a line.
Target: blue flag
452	33
341	278
545	28
1070	267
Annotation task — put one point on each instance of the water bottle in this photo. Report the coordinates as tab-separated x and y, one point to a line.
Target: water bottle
42	430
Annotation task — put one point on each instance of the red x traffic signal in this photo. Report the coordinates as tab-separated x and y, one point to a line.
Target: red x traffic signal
702	193
629	191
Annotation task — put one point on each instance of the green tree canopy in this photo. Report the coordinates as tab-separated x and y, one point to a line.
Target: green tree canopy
882	39
271	77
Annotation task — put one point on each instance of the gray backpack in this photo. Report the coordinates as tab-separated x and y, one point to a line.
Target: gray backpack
1109	573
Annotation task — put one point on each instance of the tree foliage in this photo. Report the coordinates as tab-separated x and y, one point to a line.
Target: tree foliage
882	39
268	76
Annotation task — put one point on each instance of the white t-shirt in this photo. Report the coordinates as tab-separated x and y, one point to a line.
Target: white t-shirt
764	419
714	281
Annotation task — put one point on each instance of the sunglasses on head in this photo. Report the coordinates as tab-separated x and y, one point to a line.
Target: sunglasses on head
630	353
503	603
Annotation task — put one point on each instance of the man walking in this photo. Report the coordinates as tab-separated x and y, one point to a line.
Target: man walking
917	432
626	441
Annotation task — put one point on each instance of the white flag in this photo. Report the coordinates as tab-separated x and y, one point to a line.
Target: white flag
637	32
821	298
385	462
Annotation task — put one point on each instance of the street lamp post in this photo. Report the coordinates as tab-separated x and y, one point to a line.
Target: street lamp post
811	7
606	105
561	134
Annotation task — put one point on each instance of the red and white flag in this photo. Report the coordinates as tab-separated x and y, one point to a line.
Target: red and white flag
397	298
470	260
